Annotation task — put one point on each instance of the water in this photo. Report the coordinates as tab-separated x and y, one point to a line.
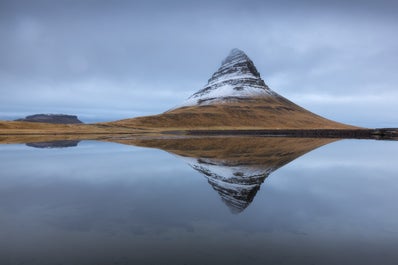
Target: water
222	201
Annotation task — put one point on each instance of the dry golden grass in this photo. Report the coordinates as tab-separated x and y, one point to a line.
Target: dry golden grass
256	113
20	127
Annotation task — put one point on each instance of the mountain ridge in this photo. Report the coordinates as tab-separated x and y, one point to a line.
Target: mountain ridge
235	97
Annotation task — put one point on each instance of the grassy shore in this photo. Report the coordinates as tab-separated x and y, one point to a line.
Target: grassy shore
23	132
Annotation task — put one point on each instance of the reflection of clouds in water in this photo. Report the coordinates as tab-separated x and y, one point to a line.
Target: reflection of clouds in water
372	151
128	202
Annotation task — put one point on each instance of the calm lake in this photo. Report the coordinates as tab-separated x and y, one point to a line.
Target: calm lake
209	200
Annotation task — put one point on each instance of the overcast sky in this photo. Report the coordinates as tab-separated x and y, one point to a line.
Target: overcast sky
106	60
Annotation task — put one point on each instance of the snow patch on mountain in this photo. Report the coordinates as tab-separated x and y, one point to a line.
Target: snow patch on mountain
236	79
226	92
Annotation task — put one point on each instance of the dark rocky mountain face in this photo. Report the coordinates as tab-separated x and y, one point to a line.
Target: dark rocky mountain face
52	118
236	64
236	78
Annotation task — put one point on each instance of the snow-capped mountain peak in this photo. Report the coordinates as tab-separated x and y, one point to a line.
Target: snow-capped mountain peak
236	79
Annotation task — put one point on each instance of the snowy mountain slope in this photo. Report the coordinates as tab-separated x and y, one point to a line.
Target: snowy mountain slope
237	78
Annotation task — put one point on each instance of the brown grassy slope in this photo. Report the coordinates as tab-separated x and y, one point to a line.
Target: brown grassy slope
254	113
20	127
233	151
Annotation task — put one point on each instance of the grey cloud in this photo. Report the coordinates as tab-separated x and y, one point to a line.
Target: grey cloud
142	57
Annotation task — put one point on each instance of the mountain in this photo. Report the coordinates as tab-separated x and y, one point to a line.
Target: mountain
52	118
235	97
236	80
235	167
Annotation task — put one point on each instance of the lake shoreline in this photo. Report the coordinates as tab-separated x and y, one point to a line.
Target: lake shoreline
379	133
371	134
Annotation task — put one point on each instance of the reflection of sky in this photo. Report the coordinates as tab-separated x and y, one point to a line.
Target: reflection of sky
105	203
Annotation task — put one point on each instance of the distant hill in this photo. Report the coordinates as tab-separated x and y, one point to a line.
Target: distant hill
235	97
52	118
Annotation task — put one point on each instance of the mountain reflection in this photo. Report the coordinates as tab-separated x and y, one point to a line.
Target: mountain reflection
54	144
235	167
237	185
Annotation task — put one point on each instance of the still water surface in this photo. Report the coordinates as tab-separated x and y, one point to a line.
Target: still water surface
109	203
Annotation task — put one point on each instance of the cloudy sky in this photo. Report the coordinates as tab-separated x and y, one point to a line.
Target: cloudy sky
107	60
